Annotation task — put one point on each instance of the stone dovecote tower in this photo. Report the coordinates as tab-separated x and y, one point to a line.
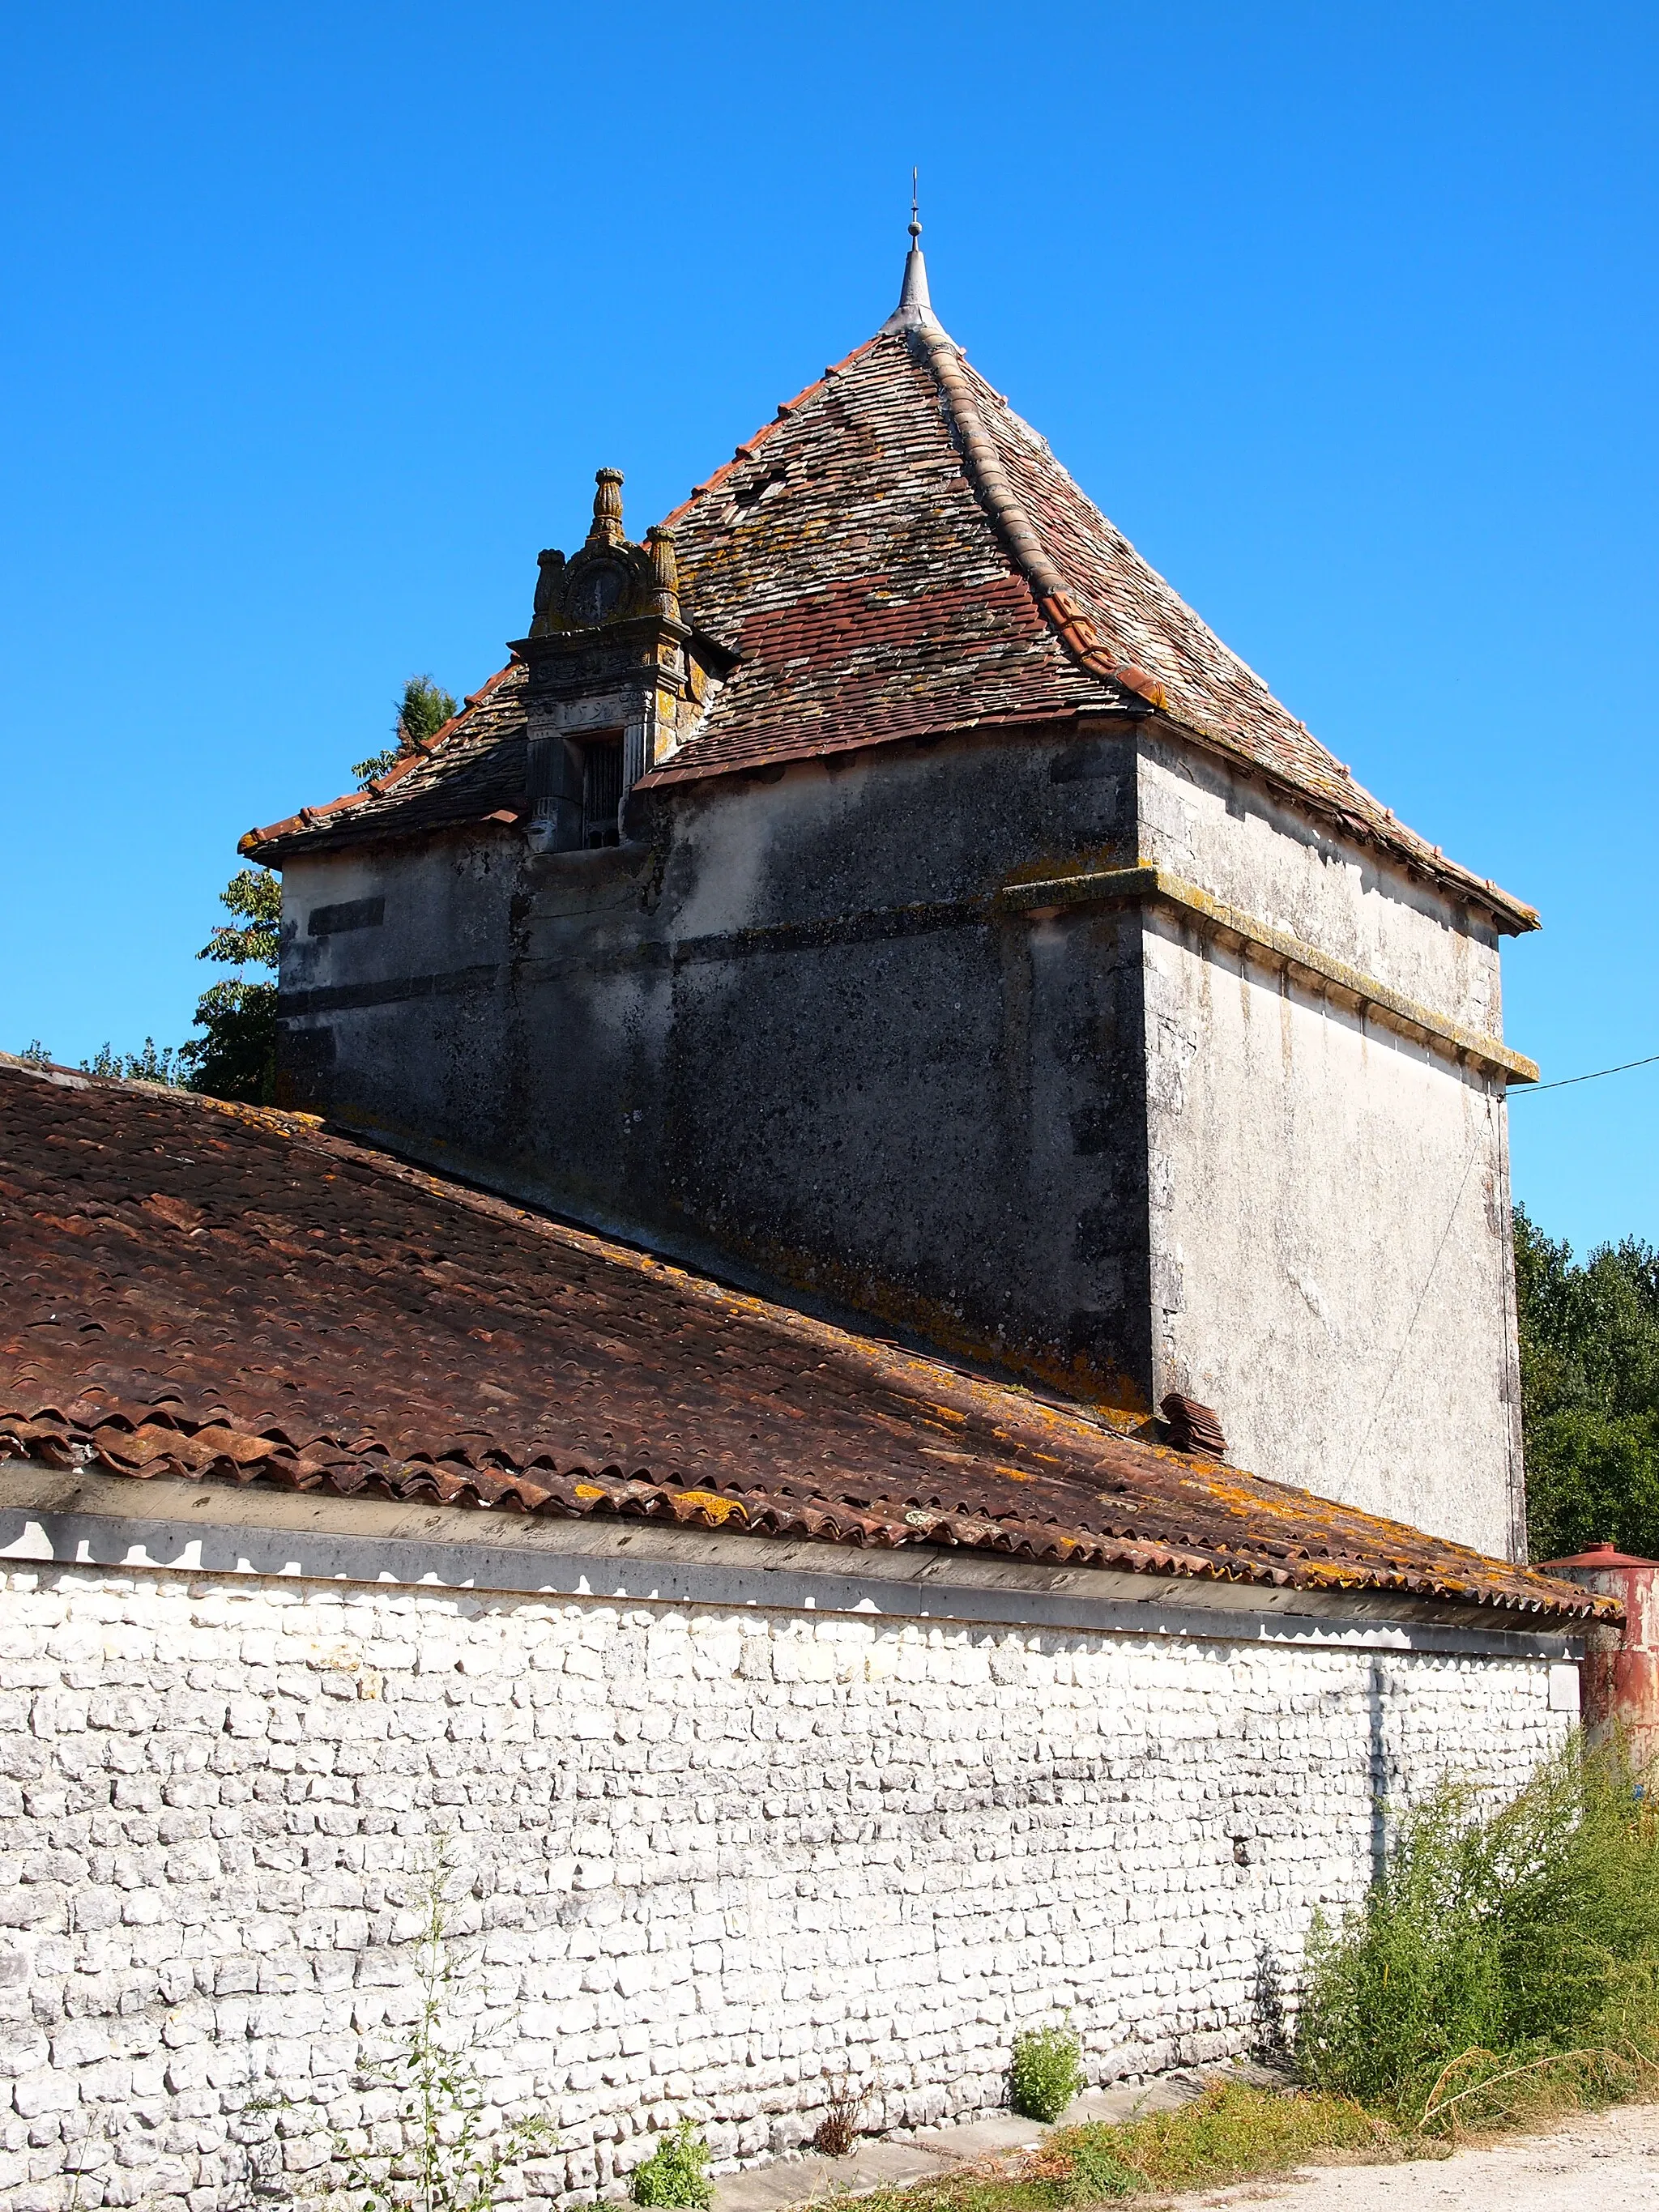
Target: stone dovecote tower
879	885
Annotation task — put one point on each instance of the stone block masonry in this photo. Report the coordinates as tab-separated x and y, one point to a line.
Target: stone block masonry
705	1859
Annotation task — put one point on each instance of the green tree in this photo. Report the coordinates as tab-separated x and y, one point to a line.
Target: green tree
237	1057
421	713
1590	1392
153	1065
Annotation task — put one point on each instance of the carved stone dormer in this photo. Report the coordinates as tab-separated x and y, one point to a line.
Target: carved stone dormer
609	676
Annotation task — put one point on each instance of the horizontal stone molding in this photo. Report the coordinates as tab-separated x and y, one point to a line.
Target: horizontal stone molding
626	956
48	1515
1148	885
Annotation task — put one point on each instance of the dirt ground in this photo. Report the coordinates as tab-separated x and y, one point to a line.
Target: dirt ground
1607	2163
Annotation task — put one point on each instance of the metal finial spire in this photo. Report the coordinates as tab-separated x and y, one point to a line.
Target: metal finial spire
915	311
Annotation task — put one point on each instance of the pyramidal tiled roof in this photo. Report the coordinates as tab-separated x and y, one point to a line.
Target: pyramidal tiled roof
897	555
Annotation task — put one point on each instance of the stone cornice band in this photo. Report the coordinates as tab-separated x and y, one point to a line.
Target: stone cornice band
1150	886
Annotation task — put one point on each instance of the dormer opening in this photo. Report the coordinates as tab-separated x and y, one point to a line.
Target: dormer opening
576	786
602	789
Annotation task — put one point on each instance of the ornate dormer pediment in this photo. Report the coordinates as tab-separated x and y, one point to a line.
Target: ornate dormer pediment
609	580
610	678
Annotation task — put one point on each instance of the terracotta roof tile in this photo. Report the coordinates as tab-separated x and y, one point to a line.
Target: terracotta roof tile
849	561
237	1296
471	770
1139	627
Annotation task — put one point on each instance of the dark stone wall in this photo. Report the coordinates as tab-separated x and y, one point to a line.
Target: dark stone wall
787	1033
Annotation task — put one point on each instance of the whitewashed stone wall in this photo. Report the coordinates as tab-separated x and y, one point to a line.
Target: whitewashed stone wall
1329	1201
708	1858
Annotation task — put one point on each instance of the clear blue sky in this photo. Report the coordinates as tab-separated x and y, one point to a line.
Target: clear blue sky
318	319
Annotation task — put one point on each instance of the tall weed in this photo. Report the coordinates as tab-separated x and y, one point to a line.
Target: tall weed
1492	1942
459	2153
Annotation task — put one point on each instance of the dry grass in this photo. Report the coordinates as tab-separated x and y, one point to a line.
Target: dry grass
1235	2133
1231	2133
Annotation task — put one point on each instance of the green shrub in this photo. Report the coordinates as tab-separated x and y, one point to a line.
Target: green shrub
1492	1942
677	2172
1047	2071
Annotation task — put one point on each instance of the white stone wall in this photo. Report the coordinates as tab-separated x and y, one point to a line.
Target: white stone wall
707	1858
1290	869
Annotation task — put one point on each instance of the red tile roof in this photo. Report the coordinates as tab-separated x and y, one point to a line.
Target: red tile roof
864	590
472	769
897	555
221	1292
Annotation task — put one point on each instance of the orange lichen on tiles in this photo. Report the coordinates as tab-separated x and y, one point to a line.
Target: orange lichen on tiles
708	1501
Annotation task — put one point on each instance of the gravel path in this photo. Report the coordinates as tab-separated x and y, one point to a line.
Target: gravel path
1605	2163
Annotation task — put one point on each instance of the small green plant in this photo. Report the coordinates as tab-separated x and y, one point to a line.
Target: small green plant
1100	2171
422	710
838	2130
152	1065
677	2172
1046	2073
34	1054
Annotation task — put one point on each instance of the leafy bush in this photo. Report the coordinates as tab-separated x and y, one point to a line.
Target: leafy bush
1047	2071
1493	1942
237	1057
1592	1478
677	2172
1590	1392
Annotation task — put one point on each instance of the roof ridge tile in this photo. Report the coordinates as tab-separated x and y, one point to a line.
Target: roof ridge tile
421	751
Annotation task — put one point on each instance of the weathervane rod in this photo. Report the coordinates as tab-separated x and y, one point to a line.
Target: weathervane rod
913	310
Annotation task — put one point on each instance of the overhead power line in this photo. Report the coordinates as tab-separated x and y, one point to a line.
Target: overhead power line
1595	1074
